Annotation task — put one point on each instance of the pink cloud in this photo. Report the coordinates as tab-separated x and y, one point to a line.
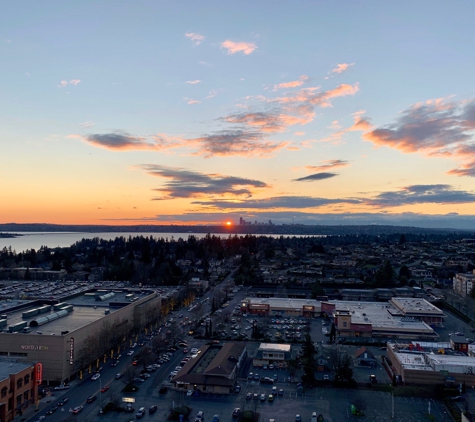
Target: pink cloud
195	38
292	84
236	47
327	165
434	128
340	68
74	81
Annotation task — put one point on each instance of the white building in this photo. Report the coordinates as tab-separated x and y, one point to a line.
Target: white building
463	283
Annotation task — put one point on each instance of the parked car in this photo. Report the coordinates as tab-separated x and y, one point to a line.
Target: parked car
152	409
236	412
140	413
248	396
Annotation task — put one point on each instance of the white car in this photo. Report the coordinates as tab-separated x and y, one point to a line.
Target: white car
96	377
130	353
194	350
189	393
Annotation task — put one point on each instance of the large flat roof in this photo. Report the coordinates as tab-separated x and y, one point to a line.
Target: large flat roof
275	347
8	367
85	310
379	315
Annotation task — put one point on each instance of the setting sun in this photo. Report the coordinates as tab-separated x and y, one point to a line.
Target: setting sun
228	223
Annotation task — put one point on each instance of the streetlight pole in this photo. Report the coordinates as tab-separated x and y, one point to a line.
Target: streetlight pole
100	395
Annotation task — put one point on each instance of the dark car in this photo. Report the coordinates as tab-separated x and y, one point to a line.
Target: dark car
63	401
248	396
237	389
91	399
52	410
152	409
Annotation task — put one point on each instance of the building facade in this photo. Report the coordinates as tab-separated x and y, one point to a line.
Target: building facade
463	283
18	388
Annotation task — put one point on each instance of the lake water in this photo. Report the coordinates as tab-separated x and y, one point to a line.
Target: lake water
34	240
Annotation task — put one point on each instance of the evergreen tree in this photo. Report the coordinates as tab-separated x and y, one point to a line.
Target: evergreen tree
308	361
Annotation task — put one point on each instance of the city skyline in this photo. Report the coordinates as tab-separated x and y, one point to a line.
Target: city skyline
205	113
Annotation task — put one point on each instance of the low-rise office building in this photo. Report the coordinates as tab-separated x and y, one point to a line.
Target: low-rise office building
272	353
463	283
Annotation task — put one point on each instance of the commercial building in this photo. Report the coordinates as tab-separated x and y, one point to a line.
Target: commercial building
271	353
214	369
400	317
430	364
18	388
73	336
278	306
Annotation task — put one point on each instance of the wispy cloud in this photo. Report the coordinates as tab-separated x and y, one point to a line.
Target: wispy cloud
182	183
292	84
195	38
64	83
361	124
342	67
248	132
86	124
211	94
288	202
316	177
123	141
234	47
196	81
191	101
237	142
328	165
434	128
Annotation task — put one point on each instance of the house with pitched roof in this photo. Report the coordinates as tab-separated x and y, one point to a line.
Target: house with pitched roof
214	369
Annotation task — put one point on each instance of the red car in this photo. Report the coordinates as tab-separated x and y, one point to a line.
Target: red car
185	350
104	389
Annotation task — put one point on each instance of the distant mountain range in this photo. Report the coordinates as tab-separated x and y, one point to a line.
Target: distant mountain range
287	229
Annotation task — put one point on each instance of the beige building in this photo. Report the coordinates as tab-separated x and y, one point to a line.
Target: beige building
71	343
463	283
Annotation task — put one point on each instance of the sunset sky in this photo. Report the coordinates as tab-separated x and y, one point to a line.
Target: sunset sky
184	112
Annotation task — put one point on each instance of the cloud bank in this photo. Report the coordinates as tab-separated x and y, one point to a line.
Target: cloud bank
434	128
